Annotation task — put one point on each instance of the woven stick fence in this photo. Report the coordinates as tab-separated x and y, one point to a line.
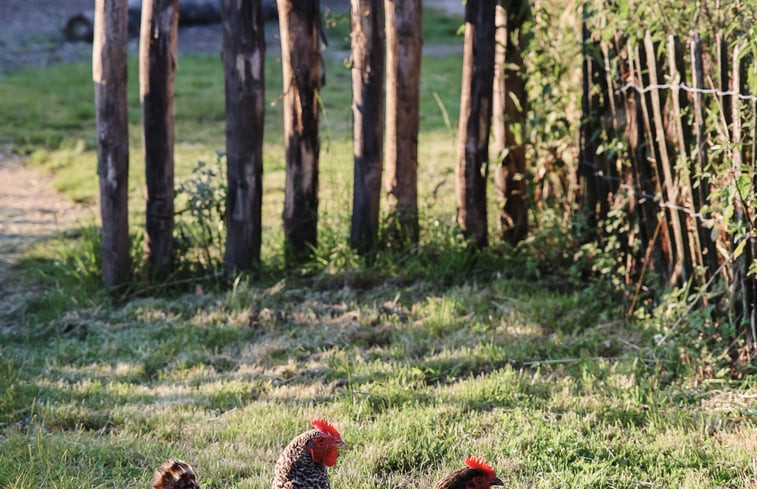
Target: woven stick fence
668	138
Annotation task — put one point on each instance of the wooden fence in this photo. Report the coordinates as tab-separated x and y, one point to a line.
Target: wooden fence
668	139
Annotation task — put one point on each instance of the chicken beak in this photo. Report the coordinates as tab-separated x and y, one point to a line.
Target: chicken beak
341	445
497	482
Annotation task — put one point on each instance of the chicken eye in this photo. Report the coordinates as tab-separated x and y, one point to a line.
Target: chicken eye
478	480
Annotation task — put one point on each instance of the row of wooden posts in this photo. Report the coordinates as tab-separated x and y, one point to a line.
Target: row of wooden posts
384	33
667	182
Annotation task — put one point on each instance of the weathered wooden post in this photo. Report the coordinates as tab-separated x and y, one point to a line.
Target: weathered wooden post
109	74
690	226
299	24
244	68
157	68
475	119
367	119
650	175
682	265
588	132
510	108
702	185
745	283
404	40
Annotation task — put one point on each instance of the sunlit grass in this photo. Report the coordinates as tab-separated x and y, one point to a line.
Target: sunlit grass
100	396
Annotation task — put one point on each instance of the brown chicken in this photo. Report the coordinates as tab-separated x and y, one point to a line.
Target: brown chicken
476	475
175	474
302	464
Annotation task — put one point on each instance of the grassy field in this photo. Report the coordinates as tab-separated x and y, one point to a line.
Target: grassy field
419	358
544	385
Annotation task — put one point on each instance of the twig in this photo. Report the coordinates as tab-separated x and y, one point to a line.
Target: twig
647	258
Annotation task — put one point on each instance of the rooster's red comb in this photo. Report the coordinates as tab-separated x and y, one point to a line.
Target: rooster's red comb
479	463
324	426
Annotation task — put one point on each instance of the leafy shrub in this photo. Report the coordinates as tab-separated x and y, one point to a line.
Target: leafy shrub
200	224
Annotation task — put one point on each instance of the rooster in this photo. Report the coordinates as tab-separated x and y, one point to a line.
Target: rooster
476	475
302	464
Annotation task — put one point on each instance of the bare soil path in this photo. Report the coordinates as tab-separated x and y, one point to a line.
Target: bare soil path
30	210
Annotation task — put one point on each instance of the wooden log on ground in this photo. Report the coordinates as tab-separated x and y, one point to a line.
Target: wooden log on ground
79	26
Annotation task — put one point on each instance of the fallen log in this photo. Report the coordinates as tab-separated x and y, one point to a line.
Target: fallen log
79	27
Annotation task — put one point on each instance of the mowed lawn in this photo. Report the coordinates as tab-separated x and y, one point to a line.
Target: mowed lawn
419	361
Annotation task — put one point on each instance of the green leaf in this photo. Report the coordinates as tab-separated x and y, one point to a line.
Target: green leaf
739	249
744	186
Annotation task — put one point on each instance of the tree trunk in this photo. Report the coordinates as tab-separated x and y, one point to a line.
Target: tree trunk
157	67
475	119
510	109
404	39
244	66
300	58
109	76
367	119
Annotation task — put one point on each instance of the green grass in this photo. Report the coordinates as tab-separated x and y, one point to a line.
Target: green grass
57	126
415	377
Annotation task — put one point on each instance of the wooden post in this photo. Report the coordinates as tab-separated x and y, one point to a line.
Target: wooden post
109	75
475	119
588	144
691	225
663	252
157	67
510	108
682	266
367	119
721	47
702	186
751	247
745	283
244	68
643	174
607	162
404	40
299	25
629	107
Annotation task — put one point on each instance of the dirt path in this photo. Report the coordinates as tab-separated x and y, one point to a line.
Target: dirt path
30	210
